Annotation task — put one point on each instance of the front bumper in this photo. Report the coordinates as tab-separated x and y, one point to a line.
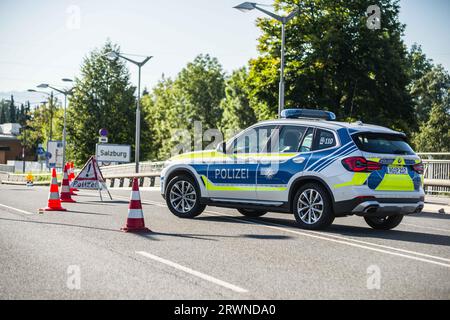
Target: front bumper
372	206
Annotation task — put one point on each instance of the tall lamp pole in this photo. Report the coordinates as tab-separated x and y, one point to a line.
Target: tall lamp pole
112	56
50	95
247	6
65	92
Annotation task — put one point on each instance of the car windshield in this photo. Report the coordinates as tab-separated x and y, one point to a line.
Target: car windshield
382	143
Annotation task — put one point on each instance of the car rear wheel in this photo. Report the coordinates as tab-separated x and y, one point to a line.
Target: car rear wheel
312	207
251	212
183	197
384	223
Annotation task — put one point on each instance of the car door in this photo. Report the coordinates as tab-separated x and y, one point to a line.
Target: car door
278	166
234	177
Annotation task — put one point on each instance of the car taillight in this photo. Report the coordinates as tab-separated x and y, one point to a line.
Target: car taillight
360	164
418	167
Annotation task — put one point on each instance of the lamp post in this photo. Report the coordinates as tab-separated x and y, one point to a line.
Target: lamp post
112	56
247	6
50	95
65	92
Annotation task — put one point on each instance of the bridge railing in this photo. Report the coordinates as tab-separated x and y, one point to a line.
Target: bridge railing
437	172
122	175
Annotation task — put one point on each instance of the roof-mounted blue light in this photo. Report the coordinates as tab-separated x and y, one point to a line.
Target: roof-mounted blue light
307	113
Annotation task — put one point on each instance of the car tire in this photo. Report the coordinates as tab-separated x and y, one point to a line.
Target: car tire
252	213
318	215
183	197
384	223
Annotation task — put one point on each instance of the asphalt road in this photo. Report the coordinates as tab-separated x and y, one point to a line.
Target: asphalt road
82	254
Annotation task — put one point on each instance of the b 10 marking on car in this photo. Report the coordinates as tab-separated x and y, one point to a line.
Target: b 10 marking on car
305	164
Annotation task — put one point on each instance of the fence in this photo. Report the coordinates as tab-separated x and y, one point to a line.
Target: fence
437	169
122	175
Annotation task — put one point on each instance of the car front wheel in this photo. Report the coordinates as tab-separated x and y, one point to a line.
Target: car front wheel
183	197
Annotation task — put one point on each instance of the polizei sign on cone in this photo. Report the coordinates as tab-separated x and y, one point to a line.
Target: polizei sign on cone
90	178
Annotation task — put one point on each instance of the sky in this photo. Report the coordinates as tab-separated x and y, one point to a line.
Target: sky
46	40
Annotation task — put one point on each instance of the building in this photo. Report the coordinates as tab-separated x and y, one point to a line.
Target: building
10	146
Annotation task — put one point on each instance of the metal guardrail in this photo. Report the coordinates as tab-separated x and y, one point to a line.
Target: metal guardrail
122	175
437	172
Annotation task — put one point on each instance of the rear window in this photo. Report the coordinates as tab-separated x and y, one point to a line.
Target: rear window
382	143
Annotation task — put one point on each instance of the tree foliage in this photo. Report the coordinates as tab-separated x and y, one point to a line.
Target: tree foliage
237	111
334	62
102	98
174	105
432	96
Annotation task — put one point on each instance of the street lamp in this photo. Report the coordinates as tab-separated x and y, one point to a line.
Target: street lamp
50	95
65	92
112	56
247	6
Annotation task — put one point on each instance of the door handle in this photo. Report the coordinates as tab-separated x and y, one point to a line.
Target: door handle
298	160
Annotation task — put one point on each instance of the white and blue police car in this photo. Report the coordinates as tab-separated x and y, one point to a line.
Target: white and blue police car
307	164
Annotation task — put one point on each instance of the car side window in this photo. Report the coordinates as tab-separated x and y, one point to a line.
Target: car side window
252	140
306	145
287	140
324	139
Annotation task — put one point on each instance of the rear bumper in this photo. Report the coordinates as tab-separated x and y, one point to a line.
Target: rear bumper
371	206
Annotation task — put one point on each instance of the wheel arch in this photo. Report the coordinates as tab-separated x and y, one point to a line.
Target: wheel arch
300	181
181	171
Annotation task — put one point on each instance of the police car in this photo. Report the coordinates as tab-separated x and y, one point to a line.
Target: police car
307	164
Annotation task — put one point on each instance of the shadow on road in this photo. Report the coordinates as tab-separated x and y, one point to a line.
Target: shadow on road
344	230
430	215
99	202
90	213
60	224
210	237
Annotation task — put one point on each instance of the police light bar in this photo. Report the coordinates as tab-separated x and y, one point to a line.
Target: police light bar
307	113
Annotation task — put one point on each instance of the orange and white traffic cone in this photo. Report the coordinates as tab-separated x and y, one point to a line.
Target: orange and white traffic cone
71	178
65	188
54	203
135	221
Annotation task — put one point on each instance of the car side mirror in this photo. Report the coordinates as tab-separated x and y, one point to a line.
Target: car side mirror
222	147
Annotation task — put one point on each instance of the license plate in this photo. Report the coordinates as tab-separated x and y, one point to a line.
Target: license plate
397	170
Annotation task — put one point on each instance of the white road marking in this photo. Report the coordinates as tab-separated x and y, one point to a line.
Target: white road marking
347	241
334	238
15	209
193	272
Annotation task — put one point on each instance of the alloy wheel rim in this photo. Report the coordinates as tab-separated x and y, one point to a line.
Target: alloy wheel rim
310	206
183	196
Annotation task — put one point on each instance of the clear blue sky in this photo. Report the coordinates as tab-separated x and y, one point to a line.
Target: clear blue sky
38	45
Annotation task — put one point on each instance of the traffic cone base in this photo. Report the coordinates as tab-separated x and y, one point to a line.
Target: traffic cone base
135	221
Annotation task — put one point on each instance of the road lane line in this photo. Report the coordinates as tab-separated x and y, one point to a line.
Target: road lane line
329	237
346	241
193	272
15	209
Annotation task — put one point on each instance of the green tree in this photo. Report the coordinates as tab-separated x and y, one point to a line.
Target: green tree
237	112
429	90
38	124
201	85
174	105
434	134
334	62
432	97
3	108
102	98
12	117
